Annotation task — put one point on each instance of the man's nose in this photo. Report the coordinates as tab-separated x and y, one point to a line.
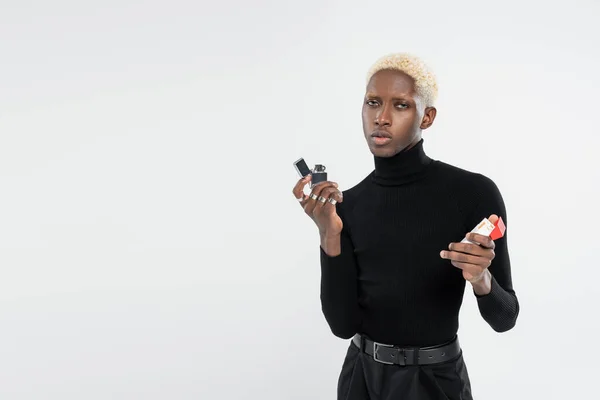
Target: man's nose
383	118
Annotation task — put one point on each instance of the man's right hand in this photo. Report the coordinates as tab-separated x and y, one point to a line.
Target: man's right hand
320	205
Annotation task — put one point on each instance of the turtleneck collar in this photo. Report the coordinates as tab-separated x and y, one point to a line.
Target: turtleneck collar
403	167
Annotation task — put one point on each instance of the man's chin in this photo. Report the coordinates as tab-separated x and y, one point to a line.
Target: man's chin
382	151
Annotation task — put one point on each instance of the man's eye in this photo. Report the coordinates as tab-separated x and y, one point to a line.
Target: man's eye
402	106
372	103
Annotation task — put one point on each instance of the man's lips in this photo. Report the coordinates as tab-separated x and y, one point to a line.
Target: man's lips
381	138
381	134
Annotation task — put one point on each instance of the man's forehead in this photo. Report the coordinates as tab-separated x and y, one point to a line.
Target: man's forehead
390	81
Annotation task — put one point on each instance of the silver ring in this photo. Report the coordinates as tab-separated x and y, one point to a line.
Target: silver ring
313	196
322	199
332	200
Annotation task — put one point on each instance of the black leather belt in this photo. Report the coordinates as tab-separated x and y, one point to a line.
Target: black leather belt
389	354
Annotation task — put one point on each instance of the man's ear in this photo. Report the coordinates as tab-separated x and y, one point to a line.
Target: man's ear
428	117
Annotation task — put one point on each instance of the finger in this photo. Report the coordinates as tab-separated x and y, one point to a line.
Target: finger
470	248
471	274
483	240
493	219
470	268
338	196
319	186
465	258
311	201
328	193
327	200
298	190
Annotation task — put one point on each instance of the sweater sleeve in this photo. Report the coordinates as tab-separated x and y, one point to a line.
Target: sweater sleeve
339	286
500	307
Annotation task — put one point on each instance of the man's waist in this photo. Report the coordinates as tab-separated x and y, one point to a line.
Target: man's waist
386	353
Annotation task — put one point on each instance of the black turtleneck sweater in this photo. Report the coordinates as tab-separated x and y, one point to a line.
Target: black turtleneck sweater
389	282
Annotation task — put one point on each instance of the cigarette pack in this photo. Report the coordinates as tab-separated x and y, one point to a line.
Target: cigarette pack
486	228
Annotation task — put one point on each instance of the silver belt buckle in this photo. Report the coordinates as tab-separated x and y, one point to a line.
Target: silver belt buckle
375	347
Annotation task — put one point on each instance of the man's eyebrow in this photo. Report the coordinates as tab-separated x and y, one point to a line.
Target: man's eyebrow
407	97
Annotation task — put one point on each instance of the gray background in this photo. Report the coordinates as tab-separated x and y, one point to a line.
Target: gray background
150	246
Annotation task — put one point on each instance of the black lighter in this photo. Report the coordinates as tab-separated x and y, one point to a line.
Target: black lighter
318	172
318	175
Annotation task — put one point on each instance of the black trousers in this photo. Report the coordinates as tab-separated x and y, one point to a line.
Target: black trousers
363	378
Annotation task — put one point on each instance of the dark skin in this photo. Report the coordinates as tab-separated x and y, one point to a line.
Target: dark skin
392	107
474	259
393	112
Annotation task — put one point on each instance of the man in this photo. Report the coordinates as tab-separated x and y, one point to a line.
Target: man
393	268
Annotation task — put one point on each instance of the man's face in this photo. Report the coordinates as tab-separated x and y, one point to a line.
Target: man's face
392	113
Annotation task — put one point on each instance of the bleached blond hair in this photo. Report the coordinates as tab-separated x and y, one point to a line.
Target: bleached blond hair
425	81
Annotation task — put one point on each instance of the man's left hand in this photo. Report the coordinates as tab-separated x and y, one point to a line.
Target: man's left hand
473	259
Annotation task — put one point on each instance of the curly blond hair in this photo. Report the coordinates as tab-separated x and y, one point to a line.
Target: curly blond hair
425	80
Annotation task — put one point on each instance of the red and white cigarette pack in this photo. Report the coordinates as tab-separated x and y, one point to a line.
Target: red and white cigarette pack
486	228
